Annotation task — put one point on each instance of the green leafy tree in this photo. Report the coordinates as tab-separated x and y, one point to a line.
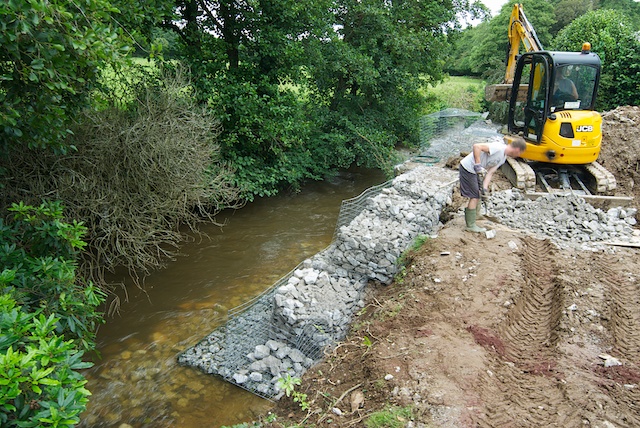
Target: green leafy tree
295	97
612	37
629	8
246	59
51	51
367	74
47	320
567	10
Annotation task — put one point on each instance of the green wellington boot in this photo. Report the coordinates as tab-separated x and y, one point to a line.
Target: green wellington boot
470	219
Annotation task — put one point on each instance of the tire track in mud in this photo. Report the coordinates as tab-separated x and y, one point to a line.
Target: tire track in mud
531	327
523	387
623	308
536	380
621	383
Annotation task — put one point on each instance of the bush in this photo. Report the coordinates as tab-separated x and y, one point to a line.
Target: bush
47	319
136	177
51	51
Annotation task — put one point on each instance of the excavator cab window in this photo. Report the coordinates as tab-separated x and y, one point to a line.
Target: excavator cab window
573	87
527	117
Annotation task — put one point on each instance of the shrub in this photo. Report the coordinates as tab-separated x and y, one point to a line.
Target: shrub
47	319
51	51
136	177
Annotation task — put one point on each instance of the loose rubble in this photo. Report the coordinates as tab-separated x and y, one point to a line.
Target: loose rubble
567	220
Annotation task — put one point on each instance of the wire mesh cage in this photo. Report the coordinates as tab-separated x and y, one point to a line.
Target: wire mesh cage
445	121
350	208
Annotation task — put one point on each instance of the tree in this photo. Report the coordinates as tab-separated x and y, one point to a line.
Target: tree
246	60
629	8
487	52
367	73
51	51
567	10
612	37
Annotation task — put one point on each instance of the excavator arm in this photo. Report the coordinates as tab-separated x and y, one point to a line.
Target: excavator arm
521	32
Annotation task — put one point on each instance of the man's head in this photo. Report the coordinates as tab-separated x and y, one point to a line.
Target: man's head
516	147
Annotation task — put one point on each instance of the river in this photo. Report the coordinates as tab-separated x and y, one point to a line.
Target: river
137	382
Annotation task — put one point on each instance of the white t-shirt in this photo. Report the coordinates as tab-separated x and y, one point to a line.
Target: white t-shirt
496	156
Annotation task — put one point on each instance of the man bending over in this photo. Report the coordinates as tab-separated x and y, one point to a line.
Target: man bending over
479	165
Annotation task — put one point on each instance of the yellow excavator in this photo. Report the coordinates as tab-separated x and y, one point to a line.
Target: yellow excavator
552	99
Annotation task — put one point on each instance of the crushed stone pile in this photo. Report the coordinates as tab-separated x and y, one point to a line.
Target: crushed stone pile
567	220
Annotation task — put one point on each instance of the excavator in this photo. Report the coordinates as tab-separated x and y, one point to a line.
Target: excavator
551	98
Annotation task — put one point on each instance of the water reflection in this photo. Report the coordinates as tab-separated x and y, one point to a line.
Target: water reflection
137	383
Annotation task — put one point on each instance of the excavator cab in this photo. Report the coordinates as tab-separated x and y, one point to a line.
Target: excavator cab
557	117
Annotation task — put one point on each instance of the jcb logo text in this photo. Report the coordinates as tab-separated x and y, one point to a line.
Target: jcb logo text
584	128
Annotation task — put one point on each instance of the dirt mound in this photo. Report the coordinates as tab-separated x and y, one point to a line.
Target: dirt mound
620	151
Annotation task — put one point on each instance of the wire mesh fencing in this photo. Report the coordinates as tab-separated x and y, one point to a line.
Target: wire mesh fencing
449	132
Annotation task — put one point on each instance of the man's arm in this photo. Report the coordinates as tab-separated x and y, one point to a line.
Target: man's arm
487	178
574	91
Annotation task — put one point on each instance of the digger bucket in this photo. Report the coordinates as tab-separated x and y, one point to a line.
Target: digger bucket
502	92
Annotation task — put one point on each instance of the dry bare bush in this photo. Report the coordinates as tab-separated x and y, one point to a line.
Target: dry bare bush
136	180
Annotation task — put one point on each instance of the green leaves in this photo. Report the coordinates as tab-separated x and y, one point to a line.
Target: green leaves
612	37
367	73
46	319
51	51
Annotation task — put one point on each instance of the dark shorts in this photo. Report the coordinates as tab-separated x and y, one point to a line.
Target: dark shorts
469	187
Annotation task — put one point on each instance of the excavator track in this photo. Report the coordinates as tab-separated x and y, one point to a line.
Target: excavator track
605	182
520	174
593	182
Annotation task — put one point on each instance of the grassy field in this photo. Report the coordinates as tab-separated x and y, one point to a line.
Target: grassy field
457	92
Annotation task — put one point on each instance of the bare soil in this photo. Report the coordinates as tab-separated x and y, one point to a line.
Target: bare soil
503	332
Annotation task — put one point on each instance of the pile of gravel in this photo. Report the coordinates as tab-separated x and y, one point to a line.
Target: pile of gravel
566	219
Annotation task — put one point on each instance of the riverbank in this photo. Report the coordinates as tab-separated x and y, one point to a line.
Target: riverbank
511	330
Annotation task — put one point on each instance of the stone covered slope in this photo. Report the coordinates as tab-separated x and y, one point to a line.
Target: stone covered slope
288	327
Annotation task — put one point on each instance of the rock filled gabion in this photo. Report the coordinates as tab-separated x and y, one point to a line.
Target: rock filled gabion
287	329
370	245
566	219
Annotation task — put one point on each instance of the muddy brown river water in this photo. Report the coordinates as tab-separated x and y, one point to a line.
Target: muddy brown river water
137	382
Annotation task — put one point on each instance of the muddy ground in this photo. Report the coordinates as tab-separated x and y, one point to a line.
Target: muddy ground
503	332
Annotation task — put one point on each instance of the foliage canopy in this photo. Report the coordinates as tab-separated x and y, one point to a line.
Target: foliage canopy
51	54
304	87
612	37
